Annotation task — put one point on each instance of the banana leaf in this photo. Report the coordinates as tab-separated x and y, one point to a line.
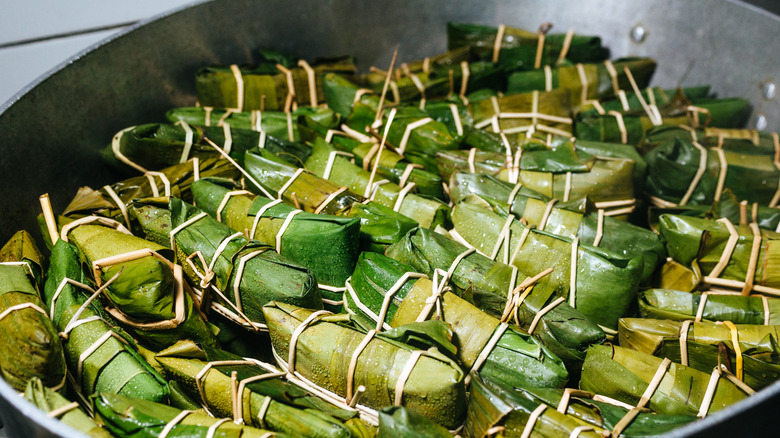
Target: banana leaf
651	96
156	146
518	48
516	358
397	421
146	296
337	169
274	123
563	330
433	388
605	282
115	366
290	410
760	361
50	401
680	306
624	374
29	343
179	178
546	112
379	226
331	261
618	236
598	83
266	86
127	417
392	165
674	161
699	244
494	404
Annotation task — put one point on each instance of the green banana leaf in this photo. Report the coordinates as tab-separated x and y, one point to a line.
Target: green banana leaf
341	94
599	84
274	123
392	165
496	404
379	226
145	290
434	387
563	330
624	374
679	306
546	112
652	96
518	47
127	417
606	282
50	401
701	242
337	169
265	86
516	358
618	236
331	261
156	146
179	178
757	343
115	366
674	160
290	410
397	421
29	343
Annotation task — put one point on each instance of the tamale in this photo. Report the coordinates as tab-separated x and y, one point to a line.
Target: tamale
30	342
483	342
379	226
391	372
626	375
680	306
273	84
754	358
546	111
599	283
398	421
326	163
489	284
59	407
102	358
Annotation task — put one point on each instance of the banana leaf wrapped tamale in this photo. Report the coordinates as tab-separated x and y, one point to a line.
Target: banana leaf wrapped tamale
629	376
652	96
501	408
726	255
485	343
599	283
680	306
113	201
278	124
127	417
380	226
274	84
157	145
238	274
518	49
102	358
695	166
326	163
398	421
147	294
29	340
392	373
563	219
59	407
586	81
546	112
754	358
562	329
336	252
265	400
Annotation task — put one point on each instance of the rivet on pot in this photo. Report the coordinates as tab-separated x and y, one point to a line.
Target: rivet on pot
760	122
770	90
638	34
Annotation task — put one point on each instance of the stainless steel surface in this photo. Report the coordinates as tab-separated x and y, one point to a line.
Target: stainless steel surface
52	132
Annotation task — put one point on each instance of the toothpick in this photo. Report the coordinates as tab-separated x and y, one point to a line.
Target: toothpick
378	118
48	214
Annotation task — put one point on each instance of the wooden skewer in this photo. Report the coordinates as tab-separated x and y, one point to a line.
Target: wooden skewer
377	120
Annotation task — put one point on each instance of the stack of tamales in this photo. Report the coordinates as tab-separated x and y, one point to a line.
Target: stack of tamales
515	237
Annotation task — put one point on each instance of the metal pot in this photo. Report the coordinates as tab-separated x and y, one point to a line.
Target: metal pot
52	132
